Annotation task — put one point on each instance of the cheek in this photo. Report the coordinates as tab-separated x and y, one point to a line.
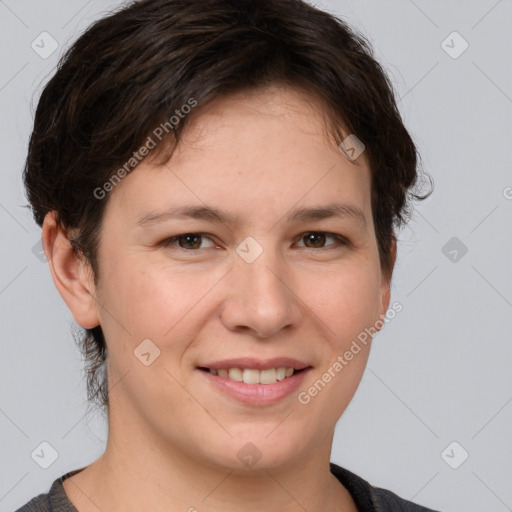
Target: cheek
152	301
142	304
149	300
346	302
346	305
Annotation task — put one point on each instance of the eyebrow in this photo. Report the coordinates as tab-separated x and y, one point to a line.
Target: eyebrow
212	214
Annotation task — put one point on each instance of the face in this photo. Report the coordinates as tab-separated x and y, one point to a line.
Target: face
273	283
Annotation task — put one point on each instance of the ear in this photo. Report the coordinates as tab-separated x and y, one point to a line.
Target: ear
71	273
385	287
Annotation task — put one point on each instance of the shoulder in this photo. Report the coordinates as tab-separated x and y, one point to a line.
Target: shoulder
373	499
55	500
387	500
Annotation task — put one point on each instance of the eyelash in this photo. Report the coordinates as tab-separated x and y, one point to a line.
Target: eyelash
341	241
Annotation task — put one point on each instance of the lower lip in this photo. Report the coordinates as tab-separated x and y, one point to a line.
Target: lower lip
257	394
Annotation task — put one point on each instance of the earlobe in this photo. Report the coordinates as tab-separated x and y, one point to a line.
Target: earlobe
71	273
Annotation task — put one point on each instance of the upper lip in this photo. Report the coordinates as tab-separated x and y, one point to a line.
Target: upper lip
259	364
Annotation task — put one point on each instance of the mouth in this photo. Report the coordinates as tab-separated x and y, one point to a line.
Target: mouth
254	376
265	385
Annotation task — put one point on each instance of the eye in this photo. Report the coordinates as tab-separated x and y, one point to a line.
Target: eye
318	238
192	241
185	241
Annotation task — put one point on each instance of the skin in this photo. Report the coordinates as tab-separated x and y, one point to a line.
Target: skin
173	438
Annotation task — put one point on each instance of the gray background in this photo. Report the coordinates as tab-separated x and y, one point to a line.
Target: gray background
438	373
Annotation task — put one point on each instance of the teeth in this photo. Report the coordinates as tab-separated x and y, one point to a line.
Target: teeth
281	373
235	374
268	376
254	376
251	376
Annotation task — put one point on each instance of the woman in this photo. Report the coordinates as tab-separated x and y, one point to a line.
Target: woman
218	185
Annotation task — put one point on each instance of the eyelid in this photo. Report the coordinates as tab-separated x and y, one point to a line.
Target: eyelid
168	241
341	240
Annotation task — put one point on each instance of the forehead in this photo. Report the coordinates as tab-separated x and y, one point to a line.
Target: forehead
261	149
258	110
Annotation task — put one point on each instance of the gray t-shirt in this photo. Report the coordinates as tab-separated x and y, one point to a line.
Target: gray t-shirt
366	497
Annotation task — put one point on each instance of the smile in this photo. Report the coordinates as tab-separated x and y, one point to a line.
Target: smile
255	387
253	375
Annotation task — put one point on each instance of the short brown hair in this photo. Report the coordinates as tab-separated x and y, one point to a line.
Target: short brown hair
130	71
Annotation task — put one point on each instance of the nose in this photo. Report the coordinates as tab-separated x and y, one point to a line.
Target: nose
260	297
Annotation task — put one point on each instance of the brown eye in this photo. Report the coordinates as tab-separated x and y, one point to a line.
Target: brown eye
187	241
317	240
190	241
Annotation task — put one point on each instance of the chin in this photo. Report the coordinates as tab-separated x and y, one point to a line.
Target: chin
258	448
